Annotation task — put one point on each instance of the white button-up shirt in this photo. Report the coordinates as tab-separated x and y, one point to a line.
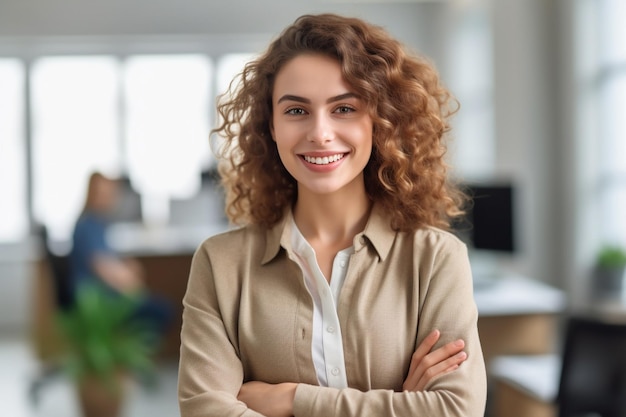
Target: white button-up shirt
327	346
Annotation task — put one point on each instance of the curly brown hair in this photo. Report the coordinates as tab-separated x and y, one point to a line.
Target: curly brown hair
406	174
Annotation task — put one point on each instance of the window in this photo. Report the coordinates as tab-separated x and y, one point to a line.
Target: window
125	113
612	124
14	219
146	117
471	79
75	130
167	125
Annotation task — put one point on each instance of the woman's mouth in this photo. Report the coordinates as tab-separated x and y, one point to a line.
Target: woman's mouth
323	160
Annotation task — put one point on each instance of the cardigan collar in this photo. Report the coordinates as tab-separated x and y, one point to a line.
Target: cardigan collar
377	233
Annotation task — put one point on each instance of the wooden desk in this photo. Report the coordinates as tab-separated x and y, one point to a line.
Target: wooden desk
517	316
513	402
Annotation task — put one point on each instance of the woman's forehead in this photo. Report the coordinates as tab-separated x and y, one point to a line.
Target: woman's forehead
310	76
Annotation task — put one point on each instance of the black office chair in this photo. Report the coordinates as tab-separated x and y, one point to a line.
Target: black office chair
59	266
593	373
60	272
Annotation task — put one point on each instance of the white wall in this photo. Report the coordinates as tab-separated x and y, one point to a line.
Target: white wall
524	49
544	125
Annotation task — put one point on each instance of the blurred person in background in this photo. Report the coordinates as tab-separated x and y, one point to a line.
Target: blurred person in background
93	261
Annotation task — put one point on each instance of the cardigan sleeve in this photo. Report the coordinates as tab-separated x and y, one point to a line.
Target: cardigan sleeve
210	371
447	304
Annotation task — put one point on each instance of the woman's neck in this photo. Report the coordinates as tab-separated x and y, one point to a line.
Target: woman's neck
331	219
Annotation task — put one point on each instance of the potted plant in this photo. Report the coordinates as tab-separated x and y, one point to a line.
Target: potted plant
609	271
105	347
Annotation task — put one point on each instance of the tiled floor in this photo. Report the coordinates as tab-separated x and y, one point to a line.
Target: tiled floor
18	368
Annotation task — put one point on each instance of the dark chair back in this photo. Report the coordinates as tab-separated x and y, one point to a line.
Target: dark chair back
593	377
60	271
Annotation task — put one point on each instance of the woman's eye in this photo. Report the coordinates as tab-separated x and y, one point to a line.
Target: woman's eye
296	111
344	109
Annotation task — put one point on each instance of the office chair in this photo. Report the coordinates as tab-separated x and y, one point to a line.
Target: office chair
60	272
593	370
59	268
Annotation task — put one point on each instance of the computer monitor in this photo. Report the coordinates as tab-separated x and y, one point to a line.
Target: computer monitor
489	224
128	207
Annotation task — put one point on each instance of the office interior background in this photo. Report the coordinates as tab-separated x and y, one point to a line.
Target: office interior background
128	88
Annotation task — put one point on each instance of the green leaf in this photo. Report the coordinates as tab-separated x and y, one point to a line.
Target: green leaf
103	340
611	257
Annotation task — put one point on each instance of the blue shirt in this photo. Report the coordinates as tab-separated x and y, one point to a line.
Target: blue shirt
89	240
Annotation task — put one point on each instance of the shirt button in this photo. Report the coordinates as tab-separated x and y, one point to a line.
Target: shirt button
330	329
342	264
335	371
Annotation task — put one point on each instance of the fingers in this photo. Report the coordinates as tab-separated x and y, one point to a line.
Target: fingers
443	353
422	350
425	367
440	369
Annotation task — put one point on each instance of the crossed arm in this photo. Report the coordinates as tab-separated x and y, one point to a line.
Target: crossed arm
276	400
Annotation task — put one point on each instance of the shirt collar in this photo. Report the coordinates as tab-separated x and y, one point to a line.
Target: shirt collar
377	232
274	237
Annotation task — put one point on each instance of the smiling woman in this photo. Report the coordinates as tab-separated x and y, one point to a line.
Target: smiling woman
343	294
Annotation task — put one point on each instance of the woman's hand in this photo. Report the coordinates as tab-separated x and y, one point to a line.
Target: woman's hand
426	365
271	400
122	275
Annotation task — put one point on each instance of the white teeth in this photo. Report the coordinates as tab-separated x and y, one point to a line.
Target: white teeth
323	160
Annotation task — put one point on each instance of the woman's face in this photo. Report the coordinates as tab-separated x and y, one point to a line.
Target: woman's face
105	195
322	130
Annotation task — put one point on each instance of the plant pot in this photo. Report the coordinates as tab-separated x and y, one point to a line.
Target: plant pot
98	399
608	281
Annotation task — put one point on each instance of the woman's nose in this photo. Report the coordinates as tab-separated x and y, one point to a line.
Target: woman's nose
321	130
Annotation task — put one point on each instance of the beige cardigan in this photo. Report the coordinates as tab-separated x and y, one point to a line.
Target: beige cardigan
248	316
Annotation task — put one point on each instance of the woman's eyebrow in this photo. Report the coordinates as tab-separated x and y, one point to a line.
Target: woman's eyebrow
341	97
291	97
